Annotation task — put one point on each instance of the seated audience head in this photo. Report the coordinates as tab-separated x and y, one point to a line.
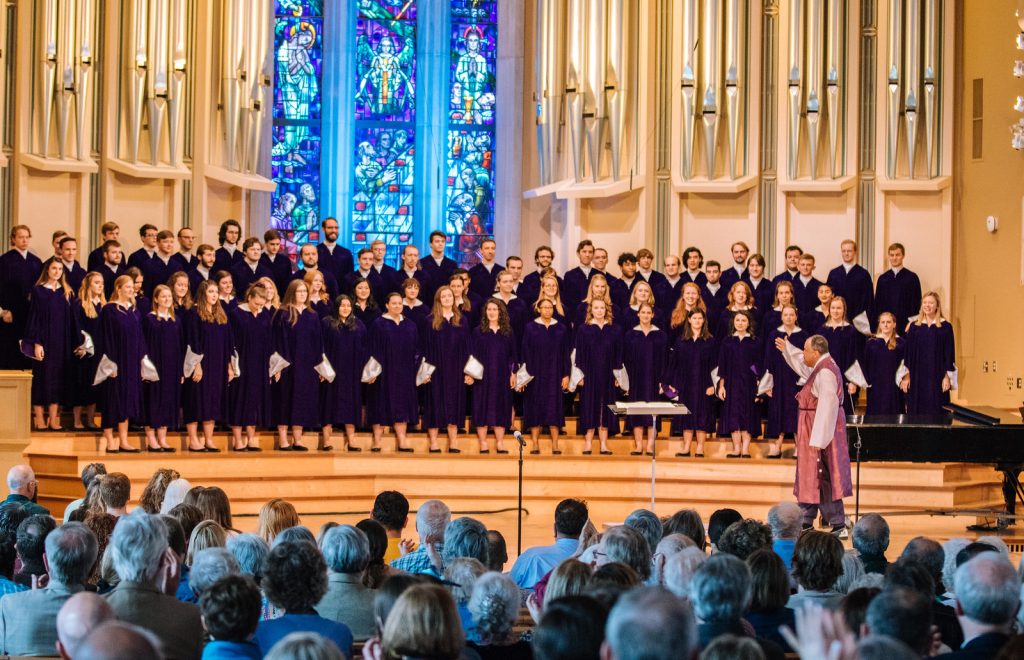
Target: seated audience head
769	581
569	578
571	517
731	647
668	547
138	548
902	614
680	569
117	640
79	616
615	575
494	606
720	589
21	480
930	555
854	608
231	608
881	647
423	623
91	471
972	550
176	538
250	551
275	516
12	514
950	549
817	560
174	494
346	550
70	554
785	520
688	523
294	535
497	551
997	543
742	538
987	594
626	545
295	576
31	537
207	534
465	537
650	622
432	518
572	628
152	497
910	574
391	509
853	570
326	527
871	535
214	504
719	522
187	516
378	540
390	590
463	574
115	491
8	555
305	646
209	566
648	524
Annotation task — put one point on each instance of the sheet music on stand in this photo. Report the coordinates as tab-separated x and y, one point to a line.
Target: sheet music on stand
655	409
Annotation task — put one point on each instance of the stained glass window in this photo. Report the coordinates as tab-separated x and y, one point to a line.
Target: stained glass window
295	153
383	163
469	198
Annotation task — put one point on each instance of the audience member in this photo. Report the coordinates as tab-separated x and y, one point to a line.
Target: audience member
174	494
614	575
570	578
28	620
102	527
464	537
497	551
909	573
880	647
276	516
391	510
853	572
732	647
115	491
296	534
23	487
8	557
423	623
89	472
377	570
572	628
626	545
432	518
119	640
31	545
743	538
209	566
148	569
950	549
295	580
11	516
719	522
207	534
79	616
305	646
570	518
462	574
188	516
987	598
346	552
769	594
495	608
650	622
871	540
649	526
785	520
667	547
972	550
152	498
902	614
817	564
231	612
688	523
854	608
214	505
679	571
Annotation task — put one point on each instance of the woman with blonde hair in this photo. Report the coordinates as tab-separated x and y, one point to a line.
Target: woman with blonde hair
152	497
123	347
161	399
86	308
642	293
298	338
207	366
597	351
930	364
207	534
50	339
446	347
276	516
738	299
424	623
883	355
597	289
273	297
319	300
549	291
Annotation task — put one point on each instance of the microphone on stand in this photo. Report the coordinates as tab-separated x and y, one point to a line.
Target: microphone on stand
519	438
519	503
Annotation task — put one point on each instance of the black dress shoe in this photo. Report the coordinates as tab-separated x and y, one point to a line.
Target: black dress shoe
168	450
375	450
155	450
433	451
405	450
201	450
253	449
130	450
485	451
534	452
635	453
288	448
327	448
113	451
606	452
299	448
454	450
587	452
353	449
556	452
500	451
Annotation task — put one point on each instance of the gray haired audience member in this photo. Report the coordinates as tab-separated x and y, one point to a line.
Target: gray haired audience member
119	640
668	547
139	552
626	545
649	526
742	539
680	569
432	519
28	620
174	494
950	549
250	552
347	553
305	646
987	597
853	570
785	520
463	574
78	617
295	534
209	566
902	614
871	540
647	623
881	647
494	607
465	537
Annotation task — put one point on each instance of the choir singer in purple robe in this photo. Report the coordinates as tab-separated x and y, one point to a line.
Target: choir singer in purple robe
823	457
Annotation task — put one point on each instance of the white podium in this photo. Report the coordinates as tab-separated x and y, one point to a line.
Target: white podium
655	409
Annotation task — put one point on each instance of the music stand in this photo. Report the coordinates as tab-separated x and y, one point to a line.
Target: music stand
655	409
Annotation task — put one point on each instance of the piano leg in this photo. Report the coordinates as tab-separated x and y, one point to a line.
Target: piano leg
1012	491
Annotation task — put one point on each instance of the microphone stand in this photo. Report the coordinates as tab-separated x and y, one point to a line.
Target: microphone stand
856	445
519	505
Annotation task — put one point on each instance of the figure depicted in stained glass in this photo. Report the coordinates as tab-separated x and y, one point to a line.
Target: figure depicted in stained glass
385	86
297	79
470	74
281	216
304	217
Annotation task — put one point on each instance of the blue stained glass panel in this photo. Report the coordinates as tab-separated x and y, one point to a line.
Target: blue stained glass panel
382	207
385	68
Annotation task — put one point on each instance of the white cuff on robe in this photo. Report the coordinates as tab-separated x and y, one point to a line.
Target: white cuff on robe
277	364
425	371
371	370
192	360
766	383
104	370
325	369
474	369
149	373
856	375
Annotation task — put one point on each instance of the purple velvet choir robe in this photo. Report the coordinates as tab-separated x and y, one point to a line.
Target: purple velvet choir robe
436	274
764	296
492	395
482	281
224	259
345	348
249	393
879	366
207	400
577	281
165	343
420	315
690	364
83	371
714	303
740	365
845	345
243	275
545	353
929	355
51	324
806	295
732	274
627	318
598	354
335	259
18	275
645	358
368	315
446	348
772	319
899	294
519	315
667	294
813	319
783	414
280	268
296	396
156	271
120	398
725	322
321	308
855	287
392	397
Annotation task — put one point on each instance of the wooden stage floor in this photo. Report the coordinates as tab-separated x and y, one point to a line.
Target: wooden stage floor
340	486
